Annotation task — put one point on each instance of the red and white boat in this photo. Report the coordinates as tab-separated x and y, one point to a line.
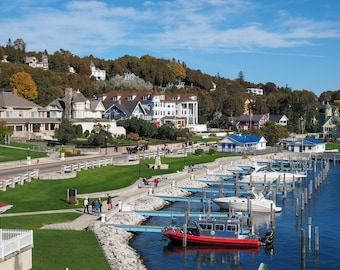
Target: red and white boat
217	232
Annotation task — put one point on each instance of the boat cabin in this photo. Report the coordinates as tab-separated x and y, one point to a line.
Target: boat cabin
218	227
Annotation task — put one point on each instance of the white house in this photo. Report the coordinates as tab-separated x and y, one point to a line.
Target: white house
178	109
305	145
281	120
255	91
99	74
241	143
34	62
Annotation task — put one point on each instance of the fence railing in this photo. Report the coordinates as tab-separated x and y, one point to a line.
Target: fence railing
14	240
19	179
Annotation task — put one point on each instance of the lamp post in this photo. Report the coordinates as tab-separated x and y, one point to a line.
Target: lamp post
106	145
138	166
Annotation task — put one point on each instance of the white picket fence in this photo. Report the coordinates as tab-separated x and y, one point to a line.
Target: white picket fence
12	241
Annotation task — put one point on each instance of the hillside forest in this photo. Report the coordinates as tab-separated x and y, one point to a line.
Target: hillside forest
218	97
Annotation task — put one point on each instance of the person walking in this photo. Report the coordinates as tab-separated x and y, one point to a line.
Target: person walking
100	205
97	207
109	202
86	205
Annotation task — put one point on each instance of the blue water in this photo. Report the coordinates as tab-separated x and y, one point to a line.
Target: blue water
323	208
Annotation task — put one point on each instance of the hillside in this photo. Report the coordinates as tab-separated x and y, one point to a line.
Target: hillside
218	97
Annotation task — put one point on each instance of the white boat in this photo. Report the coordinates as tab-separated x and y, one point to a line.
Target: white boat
255	203
263	174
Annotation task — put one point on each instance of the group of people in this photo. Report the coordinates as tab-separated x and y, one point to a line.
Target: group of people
155	181
96	206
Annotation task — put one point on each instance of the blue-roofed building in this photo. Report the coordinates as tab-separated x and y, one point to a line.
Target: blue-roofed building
305	145
241	143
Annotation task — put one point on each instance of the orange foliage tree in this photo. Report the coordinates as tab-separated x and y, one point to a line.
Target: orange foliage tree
26	87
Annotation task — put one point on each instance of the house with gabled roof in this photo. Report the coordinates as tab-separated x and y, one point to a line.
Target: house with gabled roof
279	119
82	111
25	118
127	104
98	73
241	143
305	145
152	106
245	122
331	128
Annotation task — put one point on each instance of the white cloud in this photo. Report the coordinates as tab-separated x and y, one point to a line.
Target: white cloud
85	26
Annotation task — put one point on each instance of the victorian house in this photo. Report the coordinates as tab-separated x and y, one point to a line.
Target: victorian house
34	62
245	122
177	109
98	73
82	111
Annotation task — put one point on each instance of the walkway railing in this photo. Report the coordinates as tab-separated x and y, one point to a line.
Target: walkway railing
14	240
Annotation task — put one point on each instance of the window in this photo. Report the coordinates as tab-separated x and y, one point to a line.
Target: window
206	226
219	227
231	228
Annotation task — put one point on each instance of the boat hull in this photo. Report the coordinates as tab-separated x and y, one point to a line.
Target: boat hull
215	241
241	204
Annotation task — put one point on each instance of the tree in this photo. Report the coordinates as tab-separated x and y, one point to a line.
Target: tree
4	130
99	136
23	82
241	77
273	133
66	132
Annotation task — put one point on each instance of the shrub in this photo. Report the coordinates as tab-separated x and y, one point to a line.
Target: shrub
212	151
199	152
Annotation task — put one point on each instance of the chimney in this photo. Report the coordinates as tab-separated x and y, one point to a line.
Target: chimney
68	102
14	91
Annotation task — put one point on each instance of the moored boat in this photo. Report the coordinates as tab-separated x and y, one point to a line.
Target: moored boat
256	202
263	174
217	232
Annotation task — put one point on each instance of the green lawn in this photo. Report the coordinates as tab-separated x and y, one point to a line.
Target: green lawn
332	146
67	249
20	153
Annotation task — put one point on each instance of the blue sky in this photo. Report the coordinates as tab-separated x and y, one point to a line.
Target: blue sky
291	42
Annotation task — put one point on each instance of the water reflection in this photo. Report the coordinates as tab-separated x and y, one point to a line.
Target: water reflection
206	255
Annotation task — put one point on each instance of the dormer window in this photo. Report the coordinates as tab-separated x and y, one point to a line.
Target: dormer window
130	98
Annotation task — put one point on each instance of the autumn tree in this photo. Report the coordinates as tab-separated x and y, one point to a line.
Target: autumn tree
25	85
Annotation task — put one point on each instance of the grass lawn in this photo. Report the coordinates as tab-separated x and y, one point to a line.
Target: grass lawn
332	146
13	154
67	249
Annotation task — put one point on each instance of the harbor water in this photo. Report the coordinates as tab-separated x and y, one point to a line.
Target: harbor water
322	209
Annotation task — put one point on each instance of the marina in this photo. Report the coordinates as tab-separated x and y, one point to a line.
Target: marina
301	211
